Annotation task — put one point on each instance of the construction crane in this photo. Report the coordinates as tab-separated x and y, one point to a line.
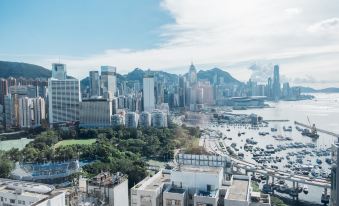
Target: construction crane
313	129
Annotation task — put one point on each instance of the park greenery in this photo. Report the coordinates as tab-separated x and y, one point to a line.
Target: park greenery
124	150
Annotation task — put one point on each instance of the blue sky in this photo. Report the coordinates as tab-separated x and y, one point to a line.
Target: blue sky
79	27
302	36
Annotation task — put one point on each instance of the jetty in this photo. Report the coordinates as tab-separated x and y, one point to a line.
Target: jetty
318	129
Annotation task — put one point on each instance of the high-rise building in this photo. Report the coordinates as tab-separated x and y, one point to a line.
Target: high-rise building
131	120
148	93
276	83
159	119
63	96
182	91
145	119
3	91
59	71
192	74
95	113
94	83
108	81
118	120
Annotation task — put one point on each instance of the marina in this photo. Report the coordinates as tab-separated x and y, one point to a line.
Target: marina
279	145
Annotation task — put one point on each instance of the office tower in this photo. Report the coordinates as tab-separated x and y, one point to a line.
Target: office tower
269	87
63	97
108	81
286	90
148	93
131	120
159	91
95	113
182	91
334	175
94	83
192	75
276	83
59	71
145	119
3	91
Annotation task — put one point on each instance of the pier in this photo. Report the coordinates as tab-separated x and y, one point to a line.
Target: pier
319	130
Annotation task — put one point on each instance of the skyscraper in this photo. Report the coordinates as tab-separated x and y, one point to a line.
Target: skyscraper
192	74
59	71
94	83
148	93
63	96
276	83
108	81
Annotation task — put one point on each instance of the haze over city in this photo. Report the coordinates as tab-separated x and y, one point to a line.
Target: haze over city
245	38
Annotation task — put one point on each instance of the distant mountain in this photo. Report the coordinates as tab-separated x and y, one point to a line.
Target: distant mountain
218	74
326	90
138	74
17	69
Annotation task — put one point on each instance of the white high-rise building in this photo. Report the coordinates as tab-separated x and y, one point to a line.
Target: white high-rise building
145	119
159	119
31	112
63	97
131	120
108	81
148	93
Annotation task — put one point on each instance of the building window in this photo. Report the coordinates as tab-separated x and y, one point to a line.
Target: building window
12	201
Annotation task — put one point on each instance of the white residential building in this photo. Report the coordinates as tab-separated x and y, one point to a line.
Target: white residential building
131	120
19	193
118	120
148	93
159	119
145	119
63	96
31	112
96	113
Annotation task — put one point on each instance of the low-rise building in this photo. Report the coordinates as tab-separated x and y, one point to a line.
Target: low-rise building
112	189
18	193
196	186
159	119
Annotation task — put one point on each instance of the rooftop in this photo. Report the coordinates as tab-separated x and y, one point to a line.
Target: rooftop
202	169
154	182
176	190
238	190
15	185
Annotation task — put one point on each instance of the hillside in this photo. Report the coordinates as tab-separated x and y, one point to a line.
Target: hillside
217	73
325	90
17	69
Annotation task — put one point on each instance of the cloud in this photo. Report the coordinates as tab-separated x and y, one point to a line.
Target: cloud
293	11
226	33
327	26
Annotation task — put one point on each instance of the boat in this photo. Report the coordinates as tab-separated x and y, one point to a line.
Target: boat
319	161
305	189
328	161
274	129
239	134
325	198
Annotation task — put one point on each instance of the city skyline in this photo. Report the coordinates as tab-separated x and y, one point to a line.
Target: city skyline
299	36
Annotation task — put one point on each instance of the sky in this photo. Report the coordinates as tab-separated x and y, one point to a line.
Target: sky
244	37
